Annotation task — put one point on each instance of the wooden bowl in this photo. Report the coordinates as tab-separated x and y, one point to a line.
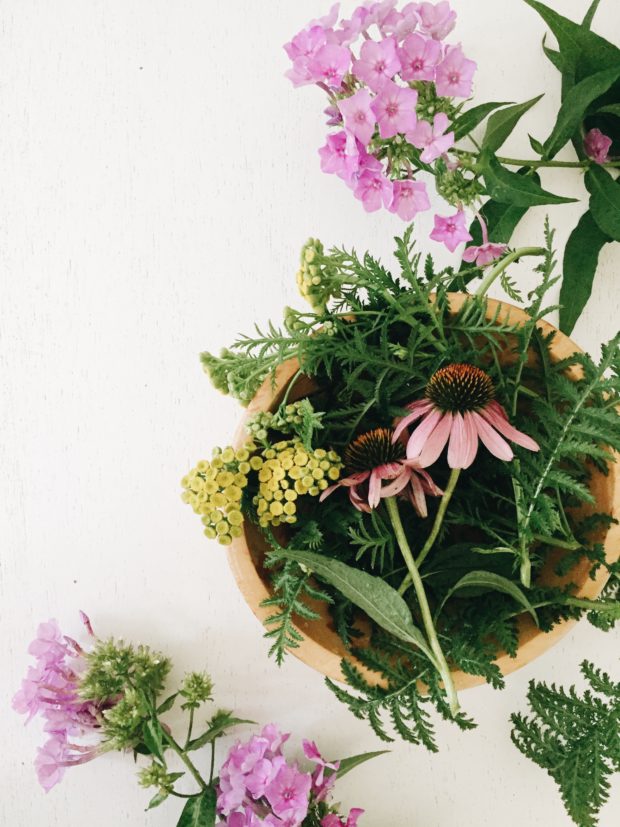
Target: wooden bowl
322	648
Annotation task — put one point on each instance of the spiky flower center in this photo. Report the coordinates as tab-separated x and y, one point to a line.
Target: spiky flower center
460	388
372	449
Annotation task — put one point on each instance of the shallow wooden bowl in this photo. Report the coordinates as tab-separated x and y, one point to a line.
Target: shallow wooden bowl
322	648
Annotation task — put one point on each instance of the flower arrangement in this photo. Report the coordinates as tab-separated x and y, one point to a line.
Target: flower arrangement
107	696
397	88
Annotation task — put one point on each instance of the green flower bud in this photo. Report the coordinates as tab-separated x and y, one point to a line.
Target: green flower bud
197	687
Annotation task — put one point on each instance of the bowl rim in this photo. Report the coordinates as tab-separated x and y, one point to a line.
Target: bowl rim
321	647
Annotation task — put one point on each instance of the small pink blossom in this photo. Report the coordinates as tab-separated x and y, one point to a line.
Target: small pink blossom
340	155
333	820
395	109
374	190
454	74
401	24
379	13
334	118
247	818
487	252
451	230
329	20
329	65
301	50
378	63
410	198
311	751
419	57
359	119
434	140
437	20
597	146
289	792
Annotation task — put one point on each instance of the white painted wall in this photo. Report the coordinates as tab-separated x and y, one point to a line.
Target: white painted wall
158	178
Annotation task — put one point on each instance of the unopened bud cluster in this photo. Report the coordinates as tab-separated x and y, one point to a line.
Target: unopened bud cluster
456	188
231	374
317	277
156	775
196	689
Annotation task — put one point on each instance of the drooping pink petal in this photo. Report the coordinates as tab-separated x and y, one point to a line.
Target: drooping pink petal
397	484
429	485
358	501
416	493
418	409
492	441
502	424
436	442
471	437
457	448
422	433
374	489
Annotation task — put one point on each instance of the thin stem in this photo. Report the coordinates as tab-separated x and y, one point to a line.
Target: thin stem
212	768
190	727
427	619
569	545
503	264
186	760
520	162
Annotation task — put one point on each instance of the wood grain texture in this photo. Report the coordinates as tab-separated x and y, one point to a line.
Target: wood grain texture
159	176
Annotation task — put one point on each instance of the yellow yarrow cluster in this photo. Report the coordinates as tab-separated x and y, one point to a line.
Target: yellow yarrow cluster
290	471
214	490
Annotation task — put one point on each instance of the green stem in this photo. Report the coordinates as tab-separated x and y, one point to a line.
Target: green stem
569	545
427	619
184	758
212	768
503	264
520	162
190	727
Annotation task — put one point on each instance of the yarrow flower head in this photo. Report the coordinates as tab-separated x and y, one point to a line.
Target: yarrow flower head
459	409
375	458
597	146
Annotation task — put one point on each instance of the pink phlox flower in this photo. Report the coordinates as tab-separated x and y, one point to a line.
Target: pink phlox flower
50	762
262	774
485	253
350	30
451	230
311	751
395	109
359	119
87	624
275	739
419	58
460	428
329	20
329	65
303	49
246	818
409	198
597	146
334	118
289	792
379	13
454	74
340	155
374	190
437	20
433	139
403	23
333	820
378	63
231	790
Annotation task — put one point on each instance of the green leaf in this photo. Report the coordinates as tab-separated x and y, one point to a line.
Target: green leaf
604	200
373	595
218	725
574	106
151	735
587	20
612	109
580	263
167	705
200	810
514	189
553	56
348	764
157	799
502	123
495	582
469	120
536	145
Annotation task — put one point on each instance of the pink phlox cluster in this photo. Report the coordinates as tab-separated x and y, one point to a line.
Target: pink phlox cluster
50	690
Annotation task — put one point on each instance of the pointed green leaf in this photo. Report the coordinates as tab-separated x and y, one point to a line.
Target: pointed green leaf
217	727
580	263
587	20
373	595
514	189
157	799
536	145
200	810
494	582
151	735
468	121
604	200
167	705
553	56
574	106
348	764
612	109
502	123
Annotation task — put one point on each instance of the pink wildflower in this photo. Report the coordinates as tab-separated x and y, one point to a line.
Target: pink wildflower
333	820
434	140
454	74
459	408
487	252
359	119
402	24
329	20
378	63
410	198
437	20
597	146
311	751
379	13
247	818
340	155
374	190
301	50
451	230
374	458
289	792
395	109
329	65
419	57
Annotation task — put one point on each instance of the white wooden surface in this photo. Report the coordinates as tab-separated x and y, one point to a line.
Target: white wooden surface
158	178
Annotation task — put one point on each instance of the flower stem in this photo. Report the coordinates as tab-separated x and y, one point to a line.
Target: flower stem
520	162
503	264
427	619
184	757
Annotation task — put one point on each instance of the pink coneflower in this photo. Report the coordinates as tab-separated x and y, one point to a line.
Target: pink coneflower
458	409
374	458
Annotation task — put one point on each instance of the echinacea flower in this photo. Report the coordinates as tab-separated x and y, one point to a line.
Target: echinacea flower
597	146
375	458
485	253
451	230
432	138
454	74
459	409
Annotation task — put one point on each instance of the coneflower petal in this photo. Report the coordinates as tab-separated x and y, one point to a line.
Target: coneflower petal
358	501
458	449
471	437
397	484
419	437
491	439
374	489
416	493
500	423
418	409
436	442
